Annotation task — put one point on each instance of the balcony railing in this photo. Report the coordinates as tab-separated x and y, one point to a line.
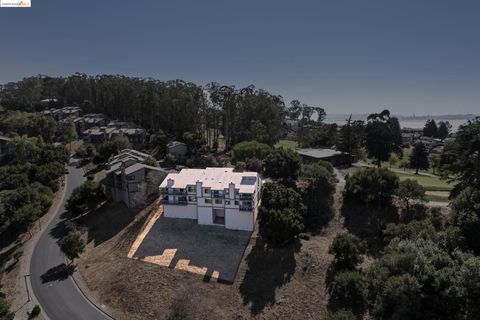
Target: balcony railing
246	208
246	196
178	202
218	195
174	192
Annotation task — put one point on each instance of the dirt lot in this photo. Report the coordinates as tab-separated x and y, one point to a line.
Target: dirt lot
286	283
209	251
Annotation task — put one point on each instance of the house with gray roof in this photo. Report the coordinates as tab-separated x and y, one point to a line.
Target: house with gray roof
336	158
177	149
130	180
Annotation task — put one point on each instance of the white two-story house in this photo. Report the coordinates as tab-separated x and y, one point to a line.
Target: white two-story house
213	196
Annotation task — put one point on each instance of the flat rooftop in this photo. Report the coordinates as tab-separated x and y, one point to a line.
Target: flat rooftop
318	153
214	178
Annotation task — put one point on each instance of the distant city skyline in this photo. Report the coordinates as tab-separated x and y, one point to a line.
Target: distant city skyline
412	57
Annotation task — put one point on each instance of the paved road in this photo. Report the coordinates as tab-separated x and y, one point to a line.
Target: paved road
54	289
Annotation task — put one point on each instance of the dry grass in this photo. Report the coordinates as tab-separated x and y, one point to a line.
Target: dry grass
285	283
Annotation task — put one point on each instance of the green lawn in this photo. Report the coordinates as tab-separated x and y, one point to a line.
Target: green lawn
430	183
431	197
287	144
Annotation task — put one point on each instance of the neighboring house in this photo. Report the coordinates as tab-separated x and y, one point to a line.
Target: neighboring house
63	113
131	181
336	158
177	149
213	196
3	146
89	121
95	135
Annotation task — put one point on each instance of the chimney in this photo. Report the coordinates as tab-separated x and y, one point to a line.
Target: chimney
231	190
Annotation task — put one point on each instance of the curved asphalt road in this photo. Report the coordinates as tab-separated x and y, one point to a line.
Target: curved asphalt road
54	289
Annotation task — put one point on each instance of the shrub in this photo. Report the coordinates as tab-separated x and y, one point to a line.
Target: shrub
370	186
282	164
342	314
279	226
85	198
409	190
348	250
350	289
250	149
35	312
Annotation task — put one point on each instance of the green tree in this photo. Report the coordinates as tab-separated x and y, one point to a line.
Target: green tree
250	149
458	161
348	250
409	190
466	216
430	129
279	226
444	128
350	289
113	147
5	313
150	161
419	158
281	214
69	131
383	136
399	299
282	164
72	245
393	159
342	314
317	185
85	198
370	186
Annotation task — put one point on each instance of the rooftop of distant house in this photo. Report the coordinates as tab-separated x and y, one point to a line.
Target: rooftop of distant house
214	178
318	153
175	143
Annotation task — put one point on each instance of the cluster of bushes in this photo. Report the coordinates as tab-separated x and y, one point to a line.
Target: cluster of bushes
429	267
299	199
28	178
85	197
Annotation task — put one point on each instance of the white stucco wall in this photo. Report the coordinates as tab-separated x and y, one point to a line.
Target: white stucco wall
238	220
180	211
205	215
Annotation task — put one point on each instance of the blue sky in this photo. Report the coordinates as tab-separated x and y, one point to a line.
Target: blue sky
355	56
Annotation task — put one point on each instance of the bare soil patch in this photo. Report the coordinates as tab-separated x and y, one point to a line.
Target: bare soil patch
284	283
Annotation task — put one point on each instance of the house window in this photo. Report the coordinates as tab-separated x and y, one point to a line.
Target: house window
192	198
236	202
208	201
218	201
207	190
131	178
191	189
227	202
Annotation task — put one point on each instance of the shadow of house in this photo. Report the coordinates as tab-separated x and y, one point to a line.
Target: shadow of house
368	223
268	269
57	273
209	251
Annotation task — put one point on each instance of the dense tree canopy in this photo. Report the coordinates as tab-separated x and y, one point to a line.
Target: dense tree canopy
461	158
282	164
85	198
370	186
419	158
383	136
281	214
174	106
28	178
245	150
28	123
317	185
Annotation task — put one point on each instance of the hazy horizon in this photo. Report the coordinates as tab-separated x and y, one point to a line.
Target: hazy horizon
346	56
